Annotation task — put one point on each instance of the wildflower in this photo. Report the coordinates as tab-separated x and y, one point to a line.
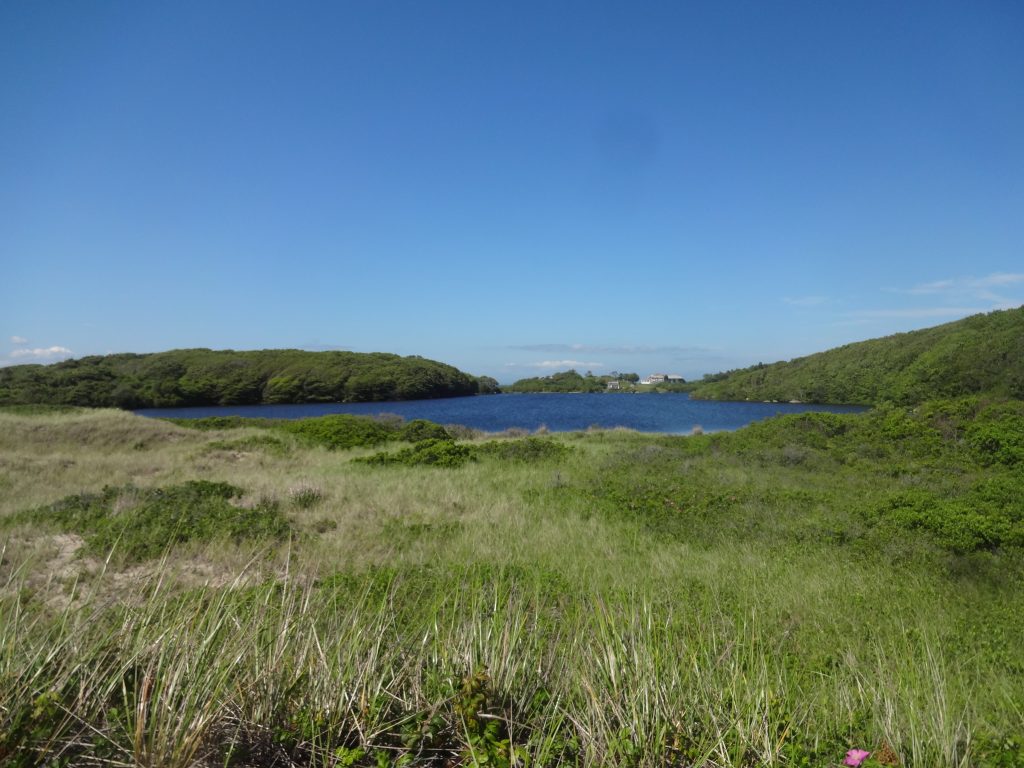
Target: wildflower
855	757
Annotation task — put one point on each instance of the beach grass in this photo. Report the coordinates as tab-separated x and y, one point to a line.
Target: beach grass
595	598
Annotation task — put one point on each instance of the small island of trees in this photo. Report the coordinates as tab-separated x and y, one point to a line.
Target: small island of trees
573	381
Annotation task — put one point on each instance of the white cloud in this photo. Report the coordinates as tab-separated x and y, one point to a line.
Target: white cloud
613	349
938	286
564	363
556	364
962	289
1000	278
19	340
47	353
954	297
805	301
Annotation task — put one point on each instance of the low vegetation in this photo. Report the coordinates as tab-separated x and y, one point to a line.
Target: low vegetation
194	377
131	524
235	595
335	431
983	354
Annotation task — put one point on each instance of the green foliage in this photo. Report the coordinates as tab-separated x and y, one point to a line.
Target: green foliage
210	423
999	439
487	385
565	381
29	727
430	452
141	524
339	431
38	409
771	596
192	377
527	449
418	430
945	472
487	741
960	525
979	354
335	431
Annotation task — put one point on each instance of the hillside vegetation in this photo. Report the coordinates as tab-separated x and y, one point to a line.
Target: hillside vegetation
979	354
372	593
563	381
194	377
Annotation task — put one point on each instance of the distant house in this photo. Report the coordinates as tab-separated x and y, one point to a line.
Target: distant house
613	385
655	378
675	377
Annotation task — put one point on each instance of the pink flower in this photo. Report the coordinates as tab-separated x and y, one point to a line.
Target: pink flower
855	757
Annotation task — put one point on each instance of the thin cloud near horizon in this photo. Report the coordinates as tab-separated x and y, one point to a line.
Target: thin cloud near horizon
556	364
608	349
950	298
971	288
805	301
42	353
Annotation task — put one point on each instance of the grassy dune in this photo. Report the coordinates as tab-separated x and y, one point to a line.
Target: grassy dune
774	596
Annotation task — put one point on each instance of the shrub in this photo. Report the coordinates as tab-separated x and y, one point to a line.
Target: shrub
421	429
341	430
976	521
436	453
999	441
138	525
527	449
208	423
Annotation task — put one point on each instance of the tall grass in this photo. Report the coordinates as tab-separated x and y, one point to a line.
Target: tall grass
629	600
306	672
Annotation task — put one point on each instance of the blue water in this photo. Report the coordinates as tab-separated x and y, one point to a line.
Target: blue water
675	413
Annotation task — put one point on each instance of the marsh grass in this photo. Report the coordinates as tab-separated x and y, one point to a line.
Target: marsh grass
623	599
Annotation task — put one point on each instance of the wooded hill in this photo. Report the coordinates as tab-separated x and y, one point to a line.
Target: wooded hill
563	381
190	377
982	354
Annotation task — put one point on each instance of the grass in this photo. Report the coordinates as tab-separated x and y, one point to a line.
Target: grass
600	598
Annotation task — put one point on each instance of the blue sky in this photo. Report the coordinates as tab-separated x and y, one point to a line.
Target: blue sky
513	188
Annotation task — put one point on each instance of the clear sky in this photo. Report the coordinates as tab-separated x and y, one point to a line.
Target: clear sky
512	188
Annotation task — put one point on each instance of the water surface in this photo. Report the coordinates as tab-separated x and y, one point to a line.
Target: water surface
649	412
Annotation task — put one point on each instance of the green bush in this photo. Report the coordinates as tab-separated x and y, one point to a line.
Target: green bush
340	431
141	524
998	441
435	453
420	429
964	524
210	423
527	449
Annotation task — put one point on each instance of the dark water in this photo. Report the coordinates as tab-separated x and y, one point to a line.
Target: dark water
559	412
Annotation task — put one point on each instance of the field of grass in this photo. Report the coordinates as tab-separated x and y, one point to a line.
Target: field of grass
327	595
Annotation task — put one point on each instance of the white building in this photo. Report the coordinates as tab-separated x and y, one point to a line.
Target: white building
655	378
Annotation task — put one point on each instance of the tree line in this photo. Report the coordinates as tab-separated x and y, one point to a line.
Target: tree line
196	377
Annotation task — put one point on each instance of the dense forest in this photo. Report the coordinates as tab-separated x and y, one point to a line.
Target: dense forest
189	377
982	354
